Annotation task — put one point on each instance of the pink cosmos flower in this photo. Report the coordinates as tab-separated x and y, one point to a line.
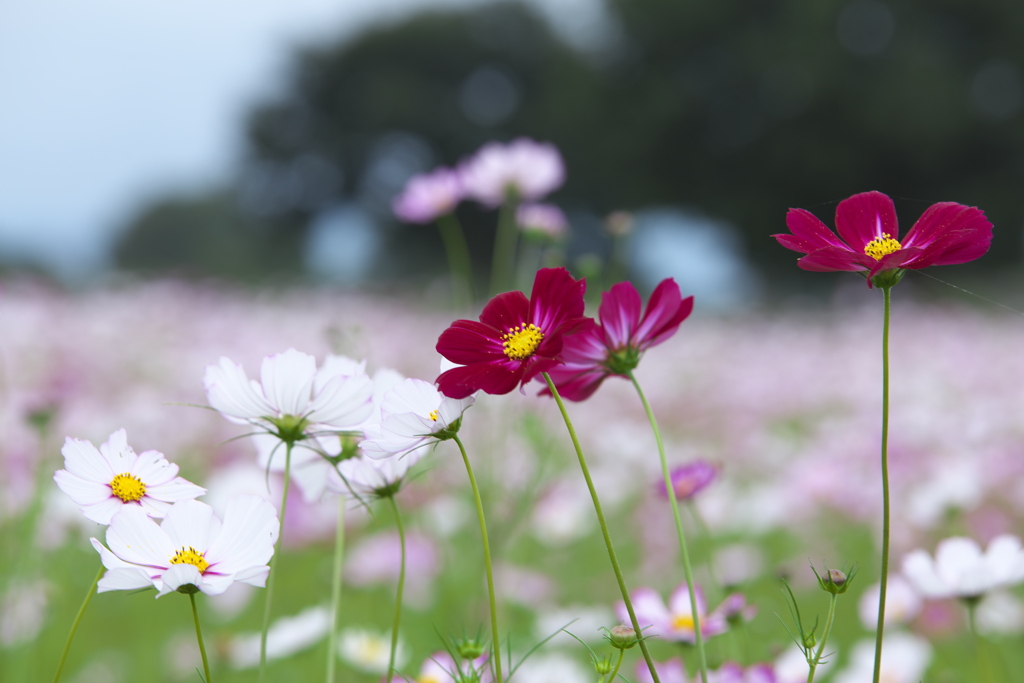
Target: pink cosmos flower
516	338
675	621
868	241
525	168
688	480
428	196
615	346
671	671
731	672
545	220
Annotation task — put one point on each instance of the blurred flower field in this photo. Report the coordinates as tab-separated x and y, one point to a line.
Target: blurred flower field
783	403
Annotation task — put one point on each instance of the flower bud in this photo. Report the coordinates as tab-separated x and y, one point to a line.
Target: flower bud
603	666
835	581
469	648
622	637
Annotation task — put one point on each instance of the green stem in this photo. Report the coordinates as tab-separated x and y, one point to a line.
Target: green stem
503	261
401	587
199	637
458	258
77	621
275	560
339	559
813	663
495	640
618	665
702	659
604	527
886	291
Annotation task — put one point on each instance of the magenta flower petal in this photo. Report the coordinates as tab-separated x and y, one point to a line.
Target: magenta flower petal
614	347
516	338
864	217
949	234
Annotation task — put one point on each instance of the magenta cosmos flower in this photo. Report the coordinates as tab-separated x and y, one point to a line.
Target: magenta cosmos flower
946	234
615	346
524	168
516	338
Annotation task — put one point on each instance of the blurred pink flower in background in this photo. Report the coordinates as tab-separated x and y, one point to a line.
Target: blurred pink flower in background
670	671
546	220
428	196
674	621
688	480
526	169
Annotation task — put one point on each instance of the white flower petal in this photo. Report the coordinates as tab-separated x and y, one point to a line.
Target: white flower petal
137	539
191	524
118	453
84	460
233	394
153	469
247	537
287	380
82	491
180	575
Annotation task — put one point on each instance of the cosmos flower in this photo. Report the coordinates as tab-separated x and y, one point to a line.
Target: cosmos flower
292	400
370	477
674	621
868	240
543	220
905	659
369	651
102	481
286	637
440	667
688	480
615	346
190	548
961	570
414	414
731	672
524	168
515	340
671	671
428	196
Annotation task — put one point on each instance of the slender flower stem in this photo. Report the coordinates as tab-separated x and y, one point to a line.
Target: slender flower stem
275	560
199	637
886	292
495	640
339	559
702	659
503	261
458	258
604	528
813	663
401	587
74	625
618	665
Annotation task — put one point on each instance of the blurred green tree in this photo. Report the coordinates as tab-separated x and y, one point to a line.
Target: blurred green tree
737	109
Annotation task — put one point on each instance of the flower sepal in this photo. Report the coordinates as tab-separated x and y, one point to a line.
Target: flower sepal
888	278
187	589
289	428
448	432
835	581
623	361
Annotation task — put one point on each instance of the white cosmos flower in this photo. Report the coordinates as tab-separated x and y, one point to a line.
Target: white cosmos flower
961	570
413	414
190	547
905	658
365	476
292	399
286	636
104	480
369	651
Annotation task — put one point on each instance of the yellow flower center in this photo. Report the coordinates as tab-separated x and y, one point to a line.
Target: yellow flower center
428	678
434	415
190	556
128	488
882	246
521	341
683	622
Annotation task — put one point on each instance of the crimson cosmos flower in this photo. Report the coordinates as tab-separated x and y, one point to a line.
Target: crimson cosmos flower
615	346
515	340
947	233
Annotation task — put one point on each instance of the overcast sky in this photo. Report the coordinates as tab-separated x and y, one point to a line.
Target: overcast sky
109	103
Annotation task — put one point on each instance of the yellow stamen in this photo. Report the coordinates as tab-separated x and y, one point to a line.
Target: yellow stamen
882	246
434	415
191	556
683	622
128	488
521	341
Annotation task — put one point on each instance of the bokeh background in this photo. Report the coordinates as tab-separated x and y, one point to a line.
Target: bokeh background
264	141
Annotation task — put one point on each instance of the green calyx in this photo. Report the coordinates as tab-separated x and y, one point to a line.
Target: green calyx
835	581
623	361
290	428
888	278
448	432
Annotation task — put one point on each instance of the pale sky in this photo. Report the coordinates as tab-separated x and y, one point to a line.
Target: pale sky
109	103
